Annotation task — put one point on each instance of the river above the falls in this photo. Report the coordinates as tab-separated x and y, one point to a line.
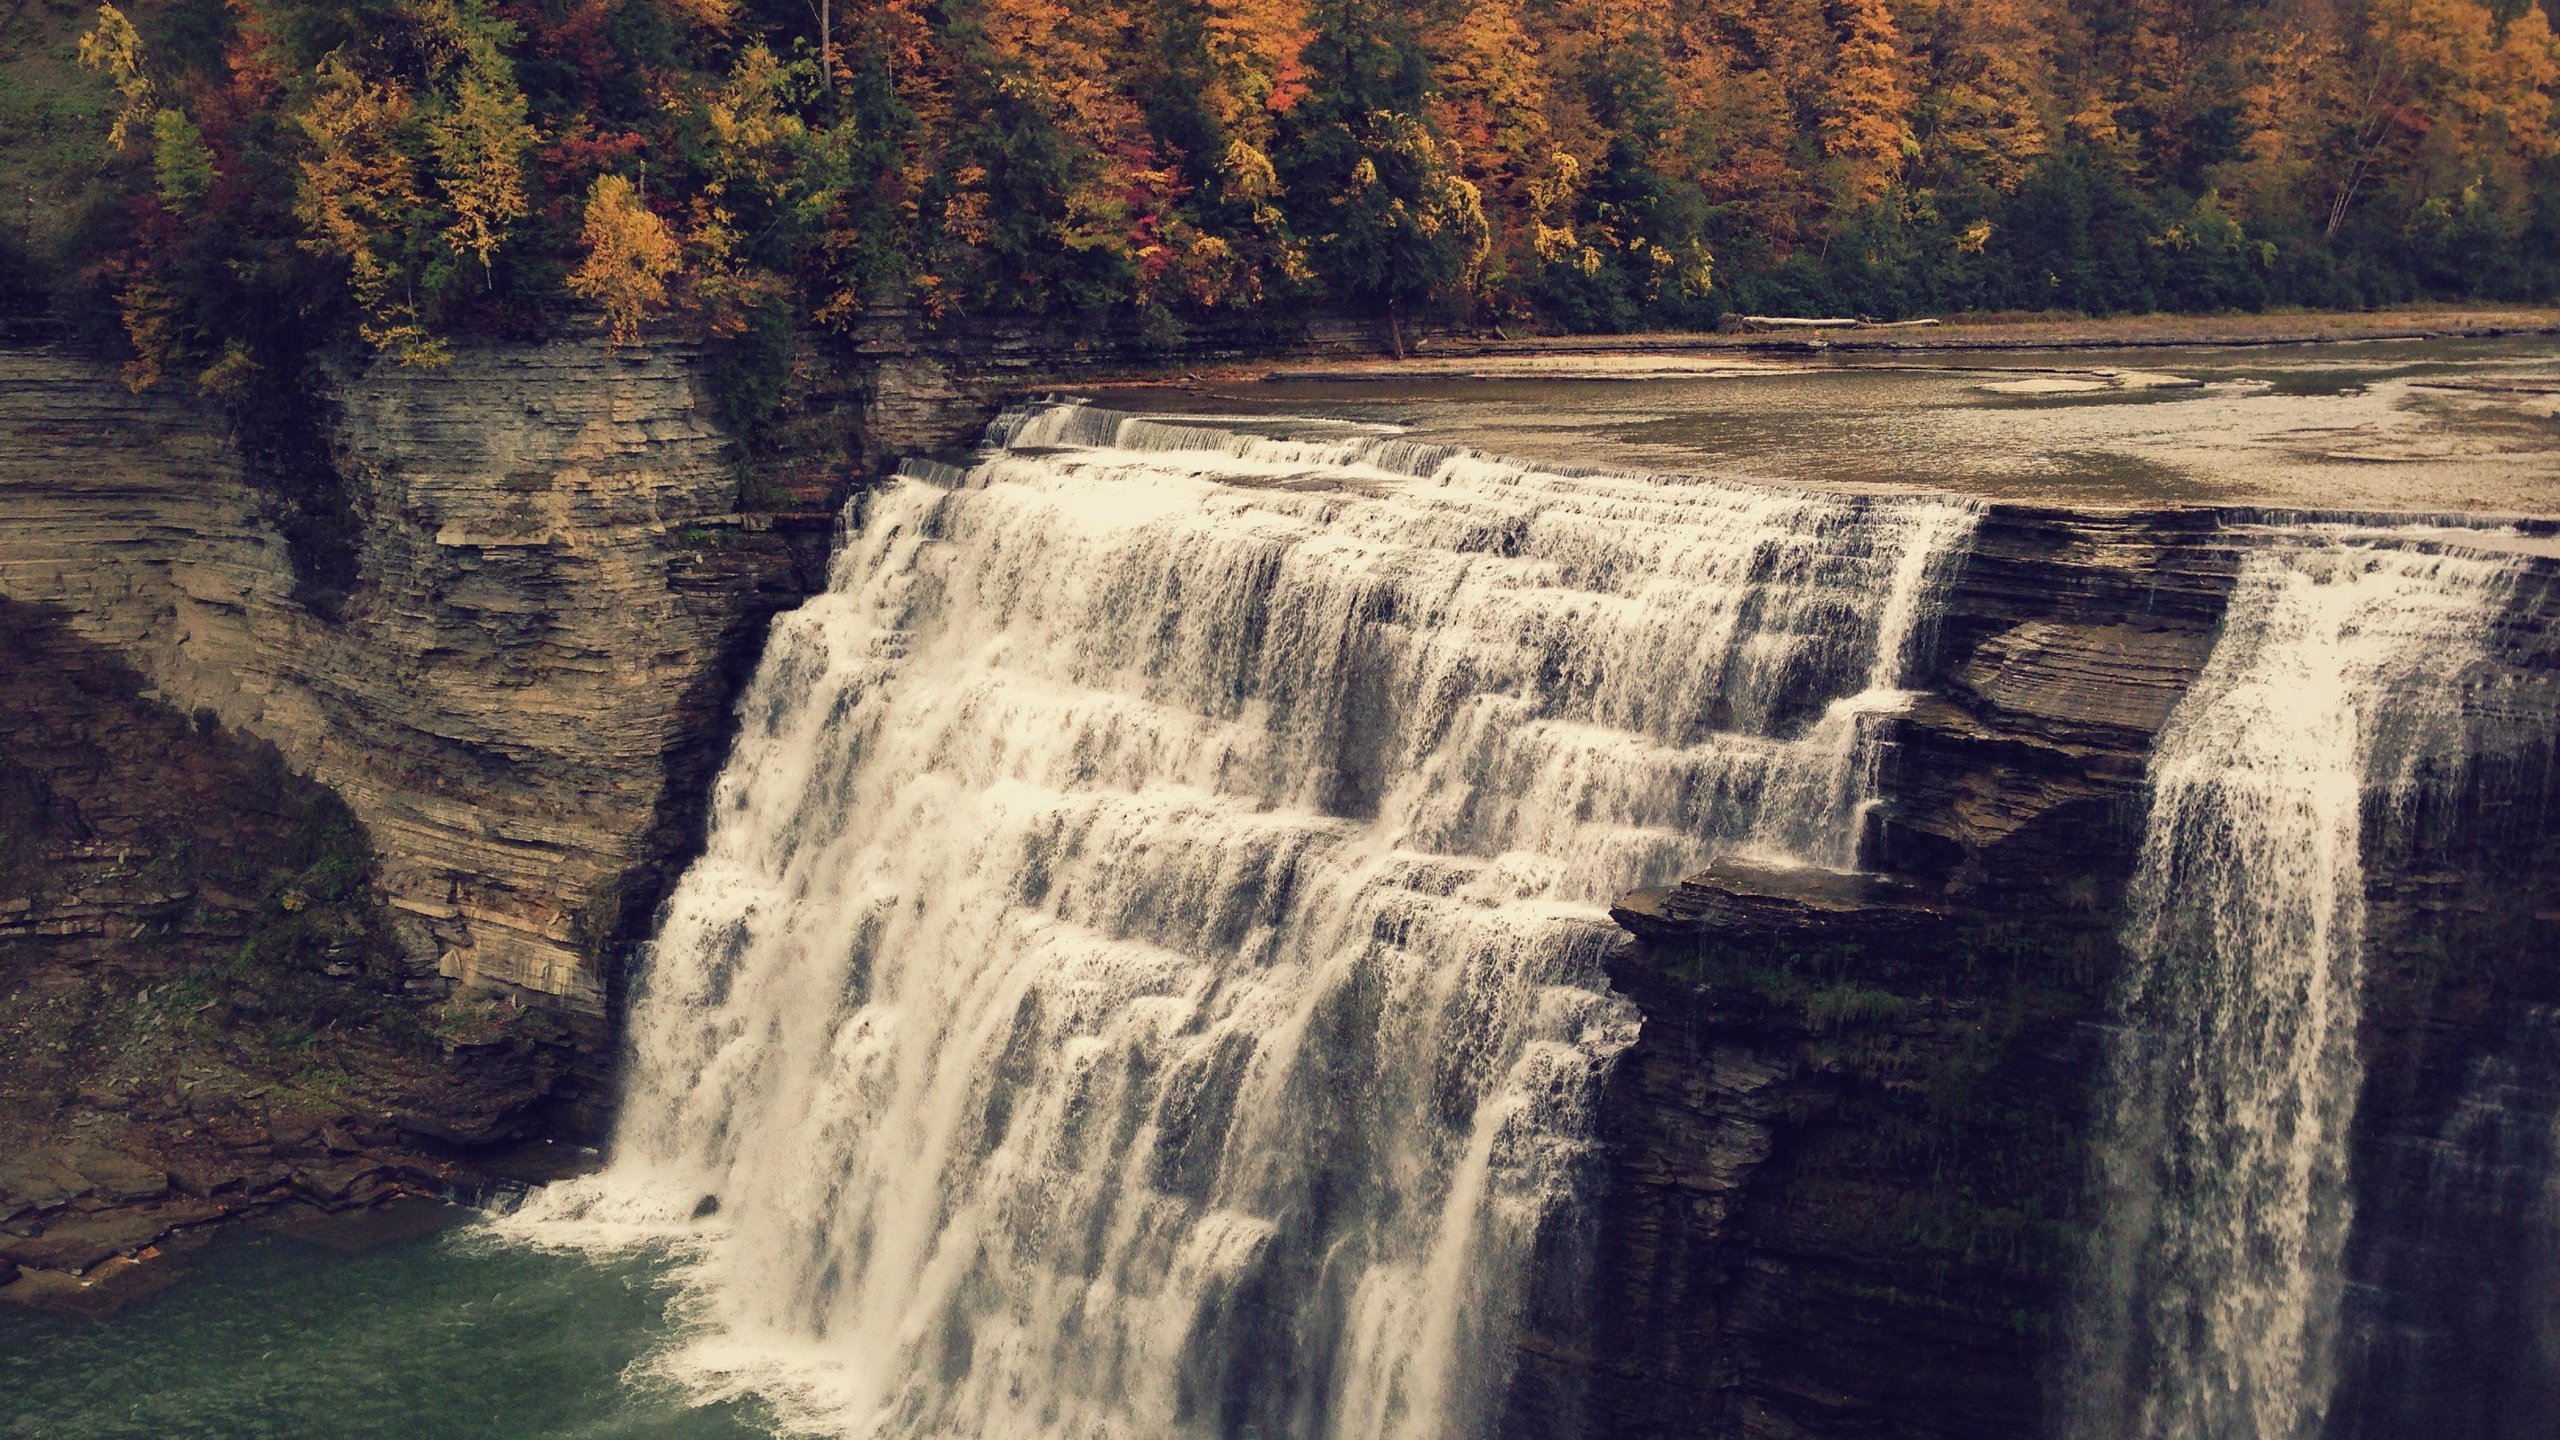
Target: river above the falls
2468	425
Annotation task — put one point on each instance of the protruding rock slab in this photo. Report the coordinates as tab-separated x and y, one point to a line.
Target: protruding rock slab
76	1242
2088	676
1743	898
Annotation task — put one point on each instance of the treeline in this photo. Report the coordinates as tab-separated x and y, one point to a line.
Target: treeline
410	170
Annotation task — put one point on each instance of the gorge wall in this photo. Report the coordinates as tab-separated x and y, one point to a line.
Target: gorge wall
341	764
552	588
1851	1180
560	572
1844	1174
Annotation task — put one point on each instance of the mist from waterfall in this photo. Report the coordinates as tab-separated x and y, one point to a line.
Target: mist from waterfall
1143	979
2331	710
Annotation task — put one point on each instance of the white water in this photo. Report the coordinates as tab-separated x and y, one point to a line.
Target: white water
1143	979
2337	683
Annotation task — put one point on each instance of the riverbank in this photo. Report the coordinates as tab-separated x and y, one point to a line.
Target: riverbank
1983	333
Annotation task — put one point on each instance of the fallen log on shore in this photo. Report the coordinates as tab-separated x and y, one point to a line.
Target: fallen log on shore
1792	322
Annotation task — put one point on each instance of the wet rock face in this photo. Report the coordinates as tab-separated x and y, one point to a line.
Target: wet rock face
1847	1182
1842	1186
202	1010
526	682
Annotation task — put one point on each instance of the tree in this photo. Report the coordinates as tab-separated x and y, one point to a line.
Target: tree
630	257
292	170
479	138
114	49
1984	112
1391	221
181	166
2447	83
358	200
1866	113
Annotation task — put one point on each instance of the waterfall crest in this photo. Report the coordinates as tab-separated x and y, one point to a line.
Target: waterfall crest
2331	708
1143	979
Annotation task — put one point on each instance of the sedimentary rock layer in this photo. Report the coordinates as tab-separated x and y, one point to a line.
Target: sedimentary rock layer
1849	1182
552	585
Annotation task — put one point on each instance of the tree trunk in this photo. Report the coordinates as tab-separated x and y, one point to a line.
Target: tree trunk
1395	329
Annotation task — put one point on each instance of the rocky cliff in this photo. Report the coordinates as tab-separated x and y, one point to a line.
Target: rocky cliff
202	1008
375	829
552	591
550	569
495	612
556	567
1847	1176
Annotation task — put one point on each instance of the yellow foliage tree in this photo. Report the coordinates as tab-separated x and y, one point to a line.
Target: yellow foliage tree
2291	98
2472	88
357	198
1254	48
479	139
114	49
1984	72
1492	94
630	257
1866	113
713	15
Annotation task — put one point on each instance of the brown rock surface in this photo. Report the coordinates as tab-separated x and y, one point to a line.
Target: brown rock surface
552	593
78	1242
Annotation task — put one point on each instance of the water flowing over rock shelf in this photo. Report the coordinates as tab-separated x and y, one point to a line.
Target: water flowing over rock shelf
1157	884
1158	888
1267	928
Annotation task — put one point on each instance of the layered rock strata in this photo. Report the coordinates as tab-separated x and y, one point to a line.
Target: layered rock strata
553	594
561	569
202	1010
1848	1179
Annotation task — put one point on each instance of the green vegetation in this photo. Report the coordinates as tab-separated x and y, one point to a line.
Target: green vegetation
235	185
316	957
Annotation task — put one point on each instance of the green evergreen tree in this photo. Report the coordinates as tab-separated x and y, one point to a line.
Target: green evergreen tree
1389	220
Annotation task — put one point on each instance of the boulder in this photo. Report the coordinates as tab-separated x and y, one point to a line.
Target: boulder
118	1176
40	1180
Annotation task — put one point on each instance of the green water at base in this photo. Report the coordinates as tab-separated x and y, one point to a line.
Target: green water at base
442	1338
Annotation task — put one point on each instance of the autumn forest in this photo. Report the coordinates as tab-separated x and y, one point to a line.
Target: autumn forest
400	173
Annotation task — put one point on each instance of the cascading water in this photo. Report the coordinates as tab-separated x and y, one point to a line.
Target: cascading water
2332	707
1143	979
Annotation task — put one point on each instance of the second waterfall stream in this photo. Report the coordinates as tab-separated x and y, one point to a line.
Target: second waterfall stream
2332	709
1143	976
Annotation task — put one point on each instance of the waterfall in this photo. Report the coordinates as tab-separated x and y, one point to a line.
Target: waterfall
2330	710
1143	978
